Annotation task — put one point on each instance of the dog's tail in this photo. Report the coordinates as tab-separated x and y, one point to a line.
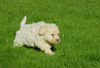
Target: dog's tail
23	21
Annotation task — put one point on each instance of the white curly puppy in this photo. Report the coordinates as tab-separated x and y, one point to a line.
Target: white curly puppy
40	34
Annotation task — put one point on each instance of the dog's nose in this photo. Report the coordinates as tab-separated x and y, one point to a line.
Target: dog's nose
57	39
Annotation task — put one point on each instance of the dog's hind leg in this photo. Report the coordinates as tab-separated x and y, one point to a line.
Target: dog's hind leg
18	42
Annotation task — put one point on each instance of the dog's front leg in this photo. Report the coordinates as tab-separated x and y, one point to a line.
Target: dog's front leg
44	47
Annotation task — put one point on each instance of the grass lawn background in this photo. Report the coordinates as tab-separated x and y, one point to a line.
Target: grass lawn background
79	24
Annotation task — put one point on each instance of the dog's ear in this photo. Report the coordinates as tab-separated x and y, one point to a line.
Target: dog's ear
43	30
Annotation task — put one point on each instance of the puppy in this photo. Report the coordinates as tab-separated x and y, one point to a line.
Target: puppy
39	34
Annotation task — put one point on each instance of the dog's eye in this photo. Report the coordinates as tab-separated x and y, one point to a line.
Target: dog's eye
52	34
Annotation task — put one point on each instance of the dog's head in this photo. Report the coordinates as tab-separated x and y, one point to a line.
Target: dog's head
50	33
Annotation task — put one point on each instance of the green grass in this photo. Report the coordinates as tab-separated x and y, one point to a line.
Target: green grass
79	24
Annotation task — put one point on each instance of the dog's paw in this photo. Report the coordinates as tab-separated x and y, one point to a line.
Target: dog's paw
49	53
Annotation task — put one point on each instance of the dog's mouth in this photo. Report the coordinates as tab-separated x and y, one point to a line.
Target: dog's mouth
51	42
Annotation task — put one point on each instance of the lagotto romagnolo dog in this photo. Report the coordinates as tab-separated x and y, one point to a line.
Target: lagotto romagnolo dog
39	34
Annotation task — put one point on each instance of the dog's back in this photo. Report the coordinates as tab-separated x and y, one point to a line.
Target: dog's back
27	32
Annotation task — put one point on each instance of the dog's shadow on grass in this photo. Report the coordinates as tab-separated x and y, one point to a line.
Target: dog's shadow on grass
53	48
38	49
30	47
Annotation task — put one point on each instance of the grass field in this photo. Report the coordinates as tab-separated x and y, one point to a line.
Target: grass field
79	24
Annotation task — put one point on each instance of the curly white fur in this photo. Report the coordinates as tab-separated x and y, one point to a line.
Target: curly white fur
38	34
